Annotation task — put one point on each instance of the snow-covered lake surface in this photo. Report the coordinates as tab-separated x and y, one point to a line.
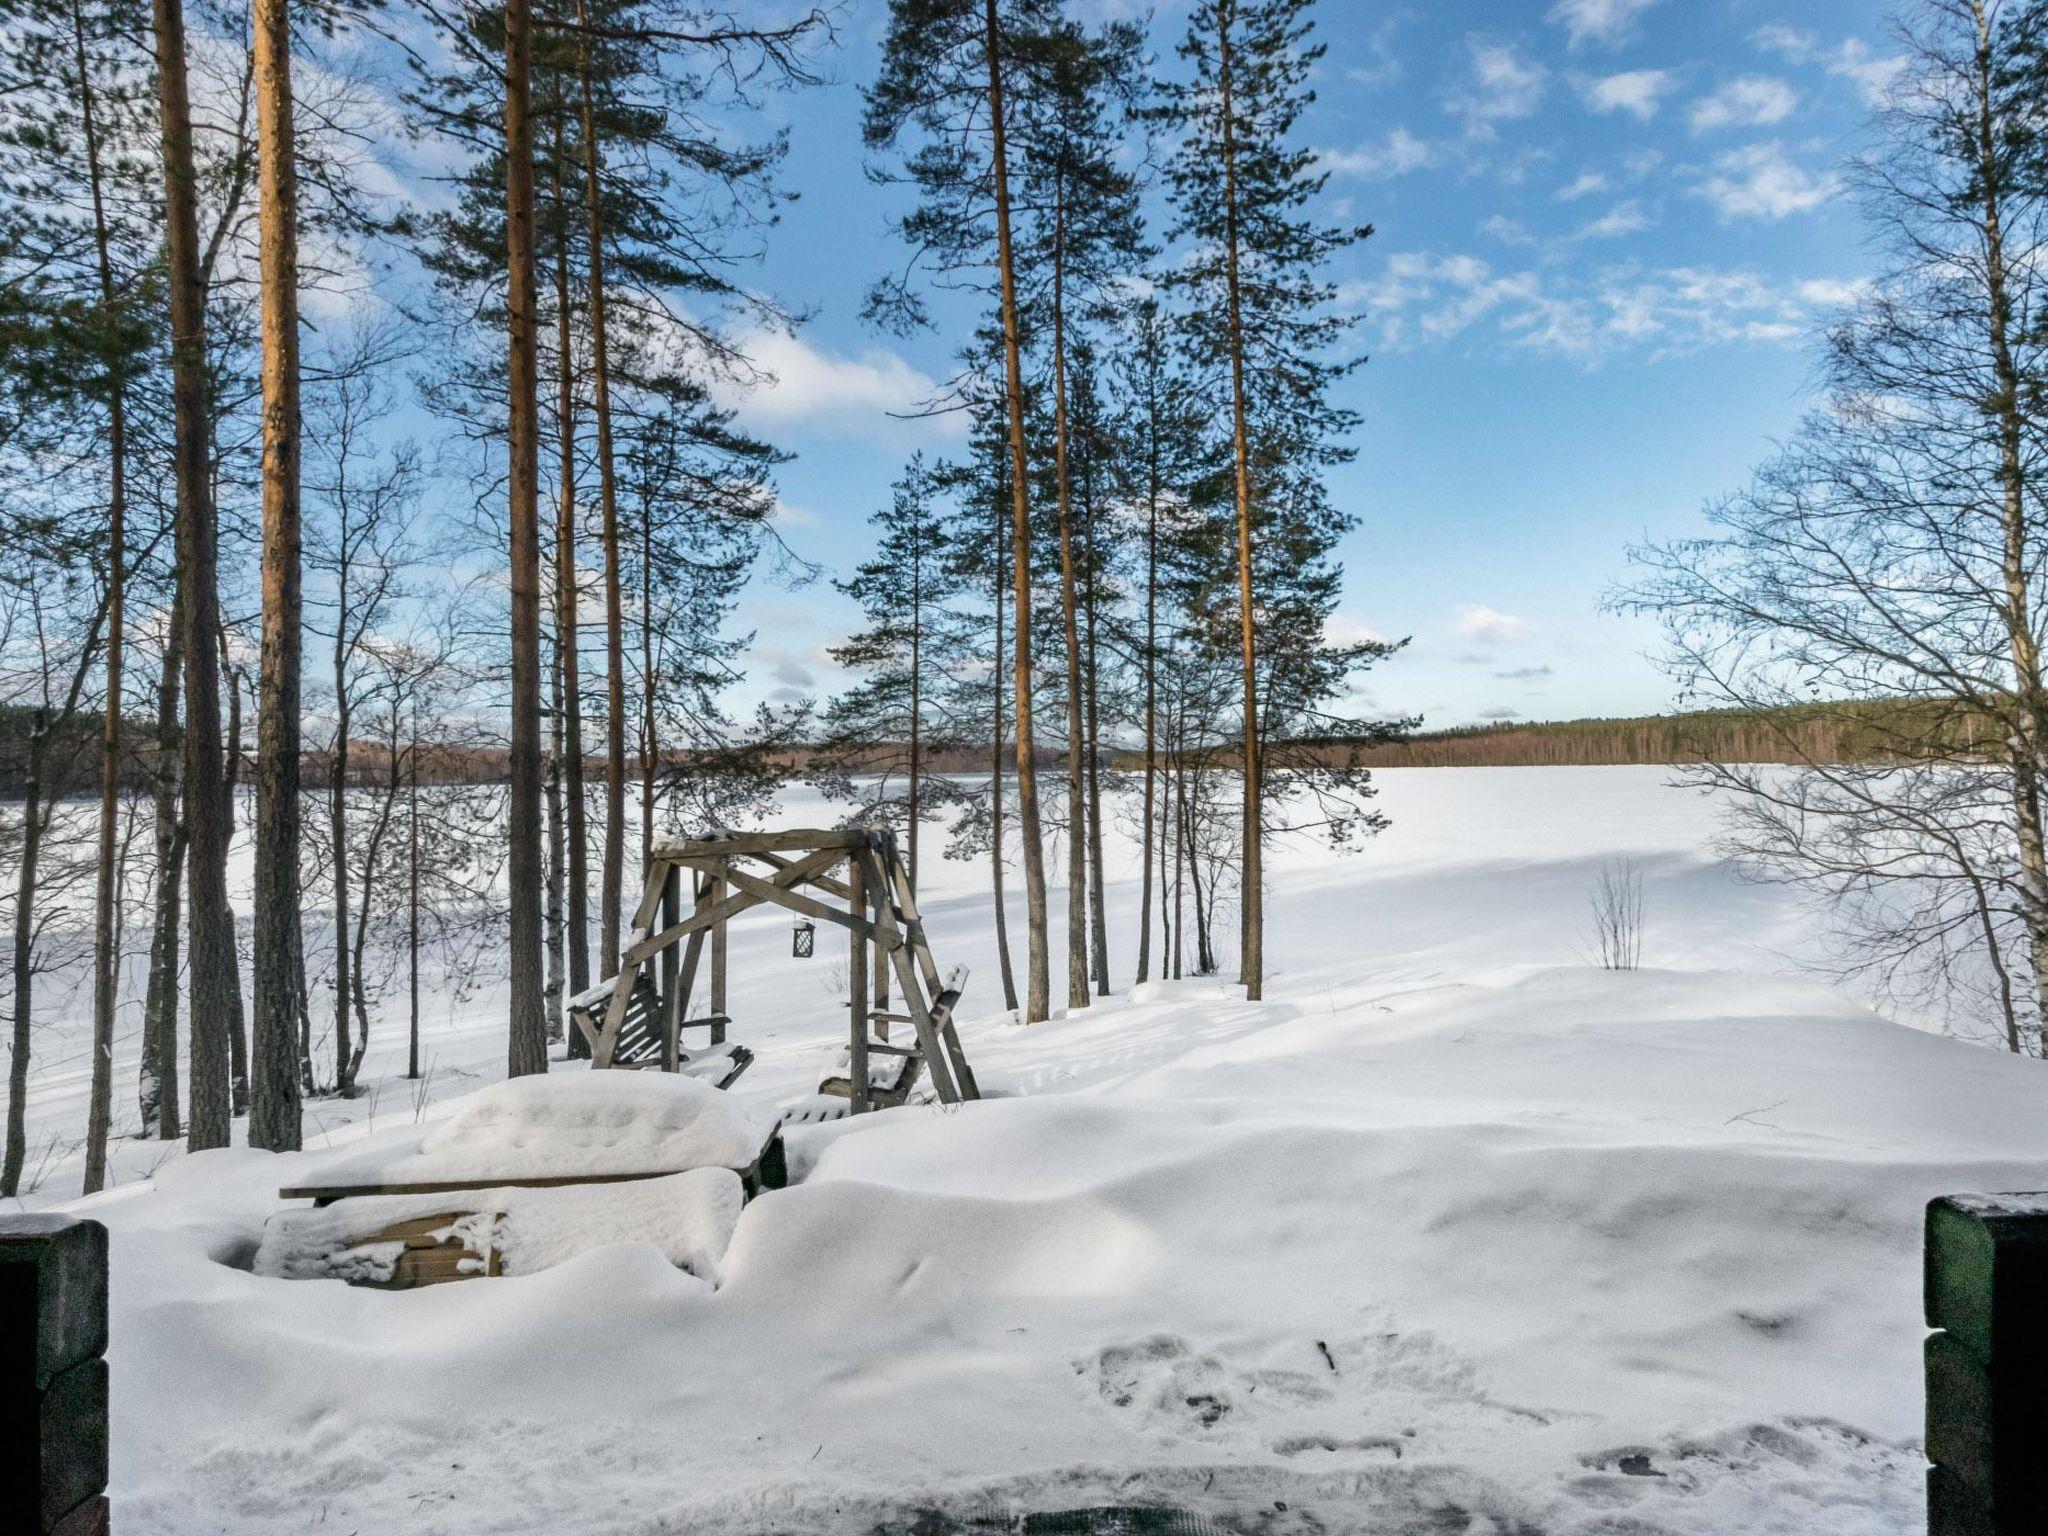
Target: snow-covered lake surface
1455	1233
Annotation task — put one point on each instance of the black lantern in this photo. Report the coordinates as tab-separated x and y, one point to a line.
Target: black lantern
803	938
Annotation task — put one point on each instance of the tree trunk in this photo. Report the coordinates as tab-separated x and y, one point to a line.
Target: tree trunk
337	825
1038	974
551	917
230	802
526	1034
995	777
916	700
1098	920
649	748
274	1114
412	900
157	1085
105	932
1151	695
2030	712
215	994
614	609
1077	795
566	623
1252	957
33	822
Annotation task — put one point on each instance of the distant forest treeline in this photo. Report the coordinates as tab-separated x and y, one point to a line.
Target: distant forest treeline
1824	733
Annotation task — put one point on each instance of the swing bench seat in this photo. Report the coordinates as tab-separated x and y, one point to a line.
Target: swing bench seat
642	1041
893	1071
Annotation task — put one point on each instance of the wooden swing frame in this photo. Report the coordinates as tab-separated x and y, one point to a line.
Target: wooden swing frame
730	873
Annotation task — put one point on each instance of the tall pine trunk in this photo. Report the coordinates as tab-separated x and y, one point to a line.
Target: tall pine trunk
650	747
551	914
157	1100
274	1115
1077	792
106	946
1252	954
614	608
995	777
1038	972
566	622
526	1032
337	831
1149	843
1098	919
215	995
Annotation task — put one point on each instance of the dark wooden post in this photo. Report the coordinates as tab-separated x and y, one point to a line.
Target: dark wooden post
1987	1365
671	914
53	1376
719	890
857	990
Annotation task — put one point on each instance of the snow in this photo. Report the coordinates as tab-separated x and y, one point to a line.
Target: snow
566	1125
688	1216
1453	1233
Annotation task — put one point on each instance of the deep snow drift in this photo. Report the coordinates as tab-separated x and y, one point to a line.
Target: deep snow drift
1452	1234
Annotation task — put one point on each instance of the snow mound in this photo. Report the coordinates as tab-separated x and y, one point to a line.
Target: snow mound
690	1217
565	1126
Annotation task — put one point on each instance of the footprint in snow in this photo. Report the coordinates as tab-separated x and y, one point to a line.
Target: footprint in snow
1162	1379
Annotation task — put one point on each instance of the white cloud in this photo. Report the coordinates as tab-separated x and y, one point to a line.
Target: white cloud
1597	21
1751	101
1831	293
1788	42
1588	183
1852	60
1398	154
1623	219
1343	629
1502	87
1637	92
1506	230
1476	621
1589	314
1872	76
1760	182
808	383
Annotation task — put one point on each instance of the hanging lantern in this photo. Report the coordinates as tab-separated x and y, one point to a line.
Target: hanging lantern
803	938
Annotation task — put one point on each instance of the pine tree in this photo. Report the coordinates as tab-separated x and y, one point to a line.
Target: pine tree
215	986
279	974
1167	469
903	711
1243	189
1088	236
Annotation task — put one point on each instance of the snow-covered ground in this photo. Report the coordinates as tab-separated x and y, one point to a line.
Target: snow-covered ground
1455	1233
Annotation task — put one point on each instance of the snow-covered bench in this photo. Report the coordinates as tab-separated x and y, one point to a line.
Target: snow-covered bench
504	1186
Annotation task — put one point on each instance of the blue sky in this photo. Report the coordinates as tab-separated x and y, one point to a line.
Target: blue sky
1606	231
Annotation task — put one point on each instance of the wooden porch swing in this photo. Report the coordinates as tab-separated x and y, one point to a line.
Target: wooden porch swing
639	1017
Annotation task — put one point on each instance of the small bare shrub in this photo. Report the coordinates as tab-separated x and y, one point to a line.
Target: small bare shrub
1618	915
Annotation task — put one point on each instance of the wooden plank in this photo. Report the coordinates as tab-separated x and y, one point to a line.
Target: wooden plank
825	883
857	992
671	909
650	896
913	994
679	1002
740	843
615	1016
913	925
796	874
716	892
327	1194
796	901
